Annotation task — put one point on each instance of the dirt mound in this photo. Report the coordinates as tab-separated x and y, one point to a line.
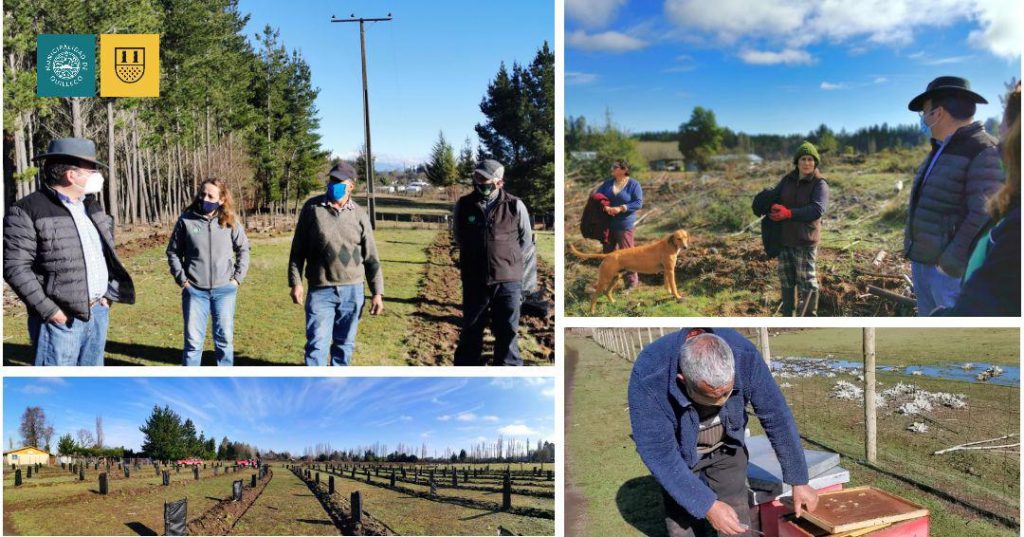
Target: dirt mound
221	518
720	263
438	318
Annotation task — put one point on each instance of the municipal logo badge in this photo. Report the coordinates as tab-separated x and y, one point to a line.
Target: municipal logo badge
129	65
66	65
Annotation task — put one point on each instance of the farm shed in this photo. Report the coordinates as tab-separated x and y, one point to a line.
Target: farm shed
26	456
661	156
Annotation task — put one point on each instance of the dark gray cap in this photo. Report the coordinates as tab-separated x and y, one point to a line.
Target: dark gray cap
490	169
342	171
79	148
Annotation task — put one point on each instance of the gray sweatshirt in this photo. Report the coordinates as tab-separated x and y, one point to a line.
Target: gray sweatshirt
206	254
336	247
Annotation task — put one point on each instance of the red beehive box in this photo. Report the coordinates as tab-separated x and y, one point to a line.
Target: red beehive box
789	526
771	512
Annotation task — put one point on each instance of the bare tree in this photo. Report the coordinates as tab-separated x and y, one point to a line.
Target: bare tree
85	438
99	431
33	426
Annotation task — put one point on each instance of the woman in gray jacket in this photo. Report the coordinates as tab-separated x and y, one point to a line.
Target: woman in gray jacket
209	256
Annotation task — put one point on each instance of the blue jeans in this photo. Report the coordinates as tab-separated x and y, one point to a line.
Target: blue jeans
499	304
332	317
196	306
933	288
76	342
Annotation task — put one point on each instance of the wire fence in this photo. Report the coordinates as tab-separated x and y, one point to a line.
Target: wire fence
955	440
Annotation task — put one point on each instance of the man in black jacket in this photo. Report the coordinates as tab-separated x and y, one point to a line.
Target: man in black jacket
59	258
947	201
497	260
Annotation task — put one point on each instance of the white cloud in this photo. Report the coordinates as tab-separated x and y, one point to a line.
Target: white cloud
574	78
466	416
592	13
1000	31
796	23
788	56
947	60
517	429
610	41
548	392
880	80
828	86
445	417
490	418
35	389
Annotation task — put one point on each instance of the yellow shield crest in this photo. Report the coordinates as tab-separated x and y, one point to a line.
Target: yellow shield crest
129	63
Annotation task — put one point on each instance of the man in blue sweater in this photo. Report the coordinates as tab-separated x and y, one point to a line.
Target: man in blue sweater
687	398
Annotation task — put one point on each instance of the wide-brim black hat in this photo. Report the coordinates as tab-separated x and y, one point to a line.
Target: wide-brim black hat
78	148
945	85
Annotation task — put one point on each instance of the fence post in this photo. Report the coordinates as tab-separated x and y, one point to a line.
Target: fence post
870	430
762	339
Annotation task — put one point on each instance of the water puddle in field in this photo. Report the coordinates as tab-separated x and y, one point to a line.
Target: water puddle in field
976	372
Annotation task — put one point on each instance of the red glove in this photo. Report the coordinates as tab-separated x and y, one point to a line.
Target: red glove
780	213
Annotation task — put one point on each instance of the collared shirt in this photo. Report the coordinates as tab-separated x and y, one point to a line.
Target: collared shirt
92	248
935	158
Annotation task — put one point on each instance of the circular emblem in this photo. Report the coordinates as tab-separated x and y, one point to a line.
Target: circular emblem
65	64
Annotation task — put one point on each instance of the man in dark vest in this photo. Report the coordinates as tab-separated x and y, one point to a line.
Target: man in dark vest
497	259
59	258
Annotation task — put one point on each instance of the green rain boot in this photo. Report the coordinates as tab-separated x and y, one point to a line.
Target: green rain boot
788	301
808	303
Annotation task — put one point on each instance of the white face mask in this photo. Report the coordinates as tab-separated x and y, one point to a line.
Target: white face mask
93	184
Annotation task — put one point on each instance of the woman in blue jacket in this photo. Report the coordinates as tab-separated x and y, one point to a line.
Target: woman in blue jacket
209	255
626	197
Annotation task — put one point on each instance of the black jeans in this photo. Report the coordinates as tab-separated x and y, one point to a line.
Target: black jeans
500	304
725	471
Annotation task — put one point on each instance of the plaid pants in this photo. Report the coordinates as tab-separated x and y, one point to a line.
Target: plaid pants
796	267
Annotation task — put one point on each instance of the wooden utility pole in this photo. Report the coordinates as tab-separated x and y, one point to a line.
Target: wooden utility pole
762	339
366	111
870	430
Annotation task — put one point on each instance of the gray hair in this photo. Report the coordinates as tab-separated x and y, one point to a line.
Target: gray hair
707	358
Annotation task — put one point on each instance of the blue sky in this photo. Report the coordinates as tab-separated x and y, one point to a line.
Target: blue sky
293	413
781	66
428	68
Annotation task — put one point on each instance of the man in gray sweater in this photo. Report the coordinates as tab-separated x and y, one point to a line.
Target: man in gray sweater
334	242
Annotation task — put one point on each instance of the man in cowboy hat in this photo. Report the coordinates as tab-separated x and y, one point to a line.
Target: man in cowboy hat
59	258
497	261
947	200
334	242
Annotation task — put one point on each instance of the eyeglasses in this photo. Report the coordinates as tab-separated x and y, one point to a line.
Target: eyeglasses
922	114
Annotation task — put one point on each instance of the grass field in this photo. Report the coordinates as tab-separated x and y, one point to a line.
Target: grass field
725	272
269	328
611	492
286	507
904	346
409	513
135	511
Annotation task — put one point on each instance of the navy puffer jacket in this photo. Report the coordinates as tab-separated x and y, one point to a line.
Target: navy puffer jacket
947	210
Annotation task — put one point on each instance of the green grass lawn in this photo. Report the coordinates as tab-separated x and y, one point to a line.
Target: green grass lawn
619	497
269	328
904	346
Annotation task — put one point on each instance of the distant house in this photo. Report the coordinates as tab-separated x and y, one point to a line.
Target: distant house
748	158
661	156
582	156
26	456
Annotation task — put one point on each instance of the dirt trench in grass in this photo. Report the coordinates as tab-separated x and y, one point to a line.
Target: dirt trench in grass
438	318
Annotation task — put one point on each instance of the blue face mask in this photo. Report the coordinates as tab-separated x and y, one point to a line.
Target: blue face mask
210	206
336	191
926	129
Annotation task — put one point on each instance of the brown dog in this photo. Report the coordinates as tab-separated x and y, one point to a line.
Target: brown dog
646	259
